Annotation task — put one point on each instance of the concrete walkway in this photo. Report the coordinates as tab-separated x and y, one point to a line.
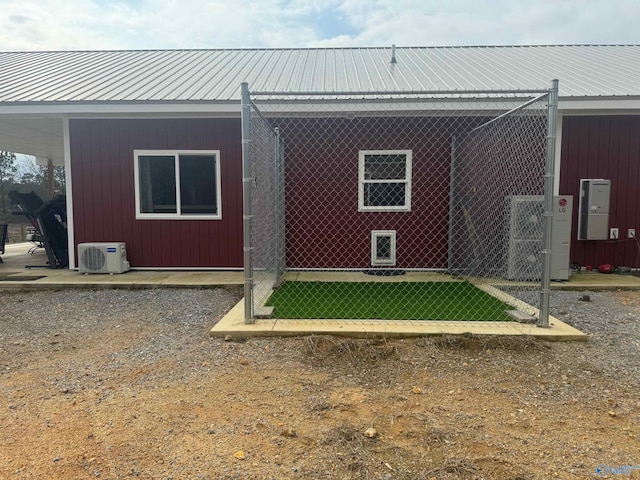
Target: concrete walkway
14	275
16	259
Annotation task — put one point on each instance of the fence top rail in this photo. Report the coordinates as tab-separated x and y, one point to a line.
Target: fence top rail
395	93
510	112
392	107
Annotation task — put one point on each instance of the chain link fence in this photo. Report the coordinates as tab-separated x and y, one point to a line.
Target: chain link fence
396	207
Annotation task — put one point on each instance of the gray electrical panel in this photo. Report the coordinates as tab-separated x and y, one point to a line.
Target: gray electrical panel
561	237
593	215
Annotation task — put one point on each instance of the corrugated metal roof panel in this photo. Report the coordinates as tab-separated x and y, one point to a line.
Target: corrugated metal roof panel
215	75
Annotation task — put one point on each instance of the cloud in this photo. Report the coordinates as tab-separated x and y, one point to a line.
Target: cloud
498	22
134	24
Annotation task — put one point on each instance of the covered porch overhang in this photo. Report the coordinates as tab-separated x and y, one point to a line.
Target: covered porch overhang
41	137
45	138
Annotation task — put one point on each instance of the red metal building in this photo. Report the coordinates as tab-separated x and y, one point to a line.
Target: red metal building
118	121
608	147
102	166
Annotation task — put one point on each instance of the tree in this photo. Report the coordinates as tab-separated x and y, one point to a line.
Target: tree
34	178
8	170
24	176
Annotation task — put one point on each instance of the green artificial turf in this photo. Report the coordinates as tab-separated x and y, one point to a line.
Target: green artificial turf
455	301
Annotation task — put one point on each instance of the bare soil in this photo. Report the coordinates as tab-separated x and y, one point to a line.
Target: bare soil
128	384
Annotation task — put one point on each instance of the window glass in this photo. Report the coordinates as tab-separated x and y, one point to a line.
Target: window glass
198	184
383	248
157	184
384	194
385	167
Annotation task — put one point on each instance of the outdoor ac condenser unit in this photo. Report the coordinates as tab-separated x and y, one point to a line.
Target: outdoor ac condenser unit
102	258
525	217
526	226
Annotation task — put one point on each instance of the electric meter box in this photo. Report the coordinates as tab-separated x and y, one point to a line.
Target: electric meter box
593	216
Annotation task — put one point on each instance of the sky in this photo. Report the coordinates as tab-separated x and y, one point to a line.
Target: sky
163	24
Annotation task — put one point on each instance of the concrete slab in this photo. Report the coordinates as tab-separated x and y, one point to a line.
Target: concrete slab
16	260
598	281
233	324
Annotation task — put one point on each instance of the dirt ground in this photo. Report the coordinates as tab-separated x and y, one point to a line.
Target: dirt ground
131	396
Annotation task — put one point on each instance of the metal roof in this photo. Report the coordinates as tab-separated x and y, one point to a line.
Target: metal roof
215	75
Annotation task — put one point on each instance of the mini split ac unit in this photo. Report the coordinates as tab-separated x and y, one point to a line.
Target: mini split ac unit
524	254
102	258
526	221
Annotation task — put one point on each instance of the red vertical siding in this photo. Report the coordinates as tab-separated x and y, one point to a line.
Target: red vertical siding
604	147
104	195
324	228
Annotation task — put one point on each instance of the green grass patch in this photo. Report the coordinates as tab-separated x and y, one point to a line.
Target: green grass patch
457	301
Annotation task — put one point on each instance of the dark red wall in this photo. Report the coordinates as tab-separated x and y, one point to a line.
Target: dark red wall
104	198
325	228
604	147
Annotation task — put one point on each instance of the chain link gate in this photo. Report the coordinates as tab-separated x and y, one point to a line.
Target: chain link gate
398	207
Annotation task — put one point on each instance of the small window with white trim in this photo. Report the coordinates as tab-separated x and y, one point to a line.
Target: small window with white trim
384	181
383	247
177	184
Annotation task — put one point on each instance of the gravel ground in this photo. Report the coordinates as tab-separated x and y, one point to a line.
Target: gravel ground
612	320
128	383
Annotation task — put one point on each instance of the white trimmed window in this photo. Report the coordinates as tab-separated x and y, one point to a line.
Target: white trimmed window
178	185
384	181
383	247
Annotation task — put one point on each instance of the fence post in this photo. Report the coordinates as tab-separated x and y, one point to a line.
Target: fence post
276	192
247	182
545	291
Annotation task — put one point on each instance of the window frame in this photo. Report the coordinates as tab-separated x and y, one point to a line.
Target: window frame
362	181
375	260
176	154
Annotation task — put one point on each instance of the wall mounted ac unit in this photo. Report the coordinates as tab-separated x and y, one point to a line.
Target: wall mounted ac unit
102	257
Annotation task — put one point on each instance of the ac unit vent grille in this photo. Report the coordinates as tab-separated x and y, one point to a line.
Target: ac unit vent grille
94	259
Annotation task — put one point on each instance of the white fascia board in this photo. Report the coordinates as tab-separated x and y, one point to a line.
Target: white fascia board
608	105
232	108
113	108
